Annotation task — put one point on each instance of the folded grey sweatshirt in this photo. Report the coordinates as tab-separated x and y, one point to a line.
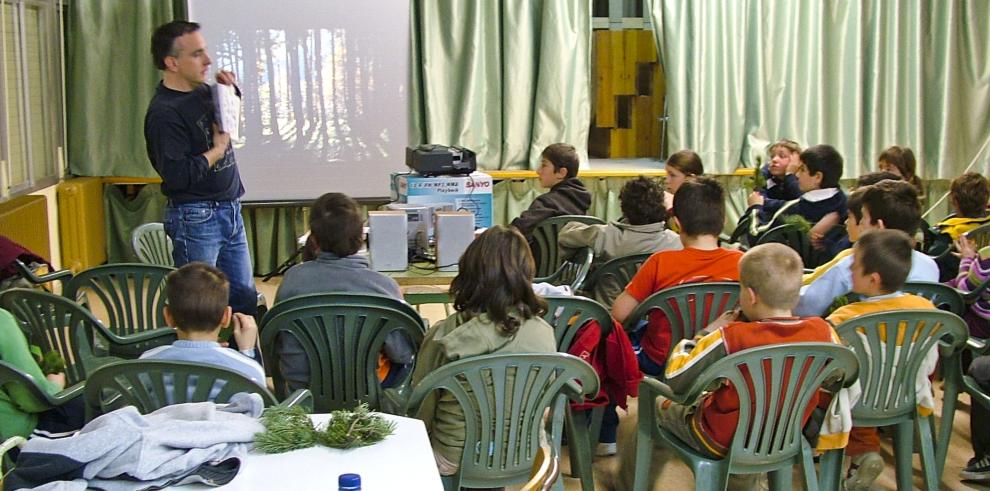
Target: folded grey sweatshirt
124	450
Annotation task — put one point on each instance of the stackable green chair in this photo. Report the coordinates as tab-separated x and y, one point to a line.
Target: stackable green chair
568	315
132	298
15	381
943	296
793	236
152	245
772	397
980	236
548	257
55	323
607	281
572	272
342	335
504	397
689	307
336	298
149	385
887	376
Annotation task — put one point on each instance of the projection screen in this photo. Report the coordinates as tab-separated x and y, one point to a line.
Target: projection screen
323	86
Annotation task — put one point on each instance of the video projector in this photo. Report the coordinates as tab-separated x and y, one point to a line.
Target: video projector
439	160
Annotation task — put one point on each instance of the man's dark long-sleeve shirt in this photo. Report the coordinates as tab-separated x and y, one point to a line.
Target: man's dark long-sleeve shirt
178	129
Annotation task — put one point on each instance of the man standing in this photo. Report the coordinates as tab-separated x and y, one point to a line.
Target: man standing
197	166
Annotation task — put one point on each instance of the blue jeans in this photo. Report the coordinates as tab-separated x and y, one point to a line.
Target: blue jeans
213	232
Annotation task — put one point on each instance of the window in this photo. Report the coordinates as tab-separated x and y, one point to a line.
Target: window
32	129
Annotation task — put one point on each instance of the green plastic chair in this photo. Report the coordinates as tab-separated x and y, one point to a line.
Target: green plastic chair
572	272
133	299
144	385
740	234
342	337
889	394
504	397
152	245
14	380
609	280
689	307
356	298
55	323
792	236
978	347
568	315
547	253
943	296
980	236
768	435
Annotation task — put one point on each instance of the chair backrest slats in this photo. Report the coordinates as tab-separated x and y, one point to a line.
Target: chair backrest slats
152	245
892	348
609	280
545	238
342	336
689	307
568	315
504	398
131	295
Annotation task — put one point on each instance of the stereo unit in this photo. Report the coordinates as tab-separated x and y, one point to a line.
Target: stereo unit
439	160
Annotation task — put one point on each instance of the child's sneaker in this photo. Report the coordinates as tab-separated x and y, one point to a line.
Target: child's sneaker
864	469
605	449
977	471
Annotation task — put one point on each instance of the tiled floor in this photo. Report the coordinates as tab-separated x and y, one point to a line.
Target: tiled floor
674	475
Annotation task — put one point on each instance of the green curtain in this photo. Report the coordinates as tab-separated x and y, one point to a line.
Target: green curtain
110	79
860	75
503	78
125	213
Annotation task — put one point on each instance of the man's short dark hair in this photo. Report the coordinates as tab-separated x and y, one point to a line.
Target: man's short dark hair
197	296
699	206
641	201
888	253
562	156
894	202
970	193
336	222
163	40
825	159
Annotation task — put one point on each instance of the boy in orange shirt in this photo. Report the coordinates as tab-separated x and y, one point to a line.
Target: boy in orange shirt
699	211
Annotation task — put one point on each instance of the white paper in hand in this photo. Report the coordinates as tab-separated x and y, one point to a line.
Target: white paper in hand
228	107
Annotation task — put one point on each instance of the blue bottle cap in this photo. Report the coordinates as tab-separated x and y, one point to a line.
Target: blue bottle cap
349	481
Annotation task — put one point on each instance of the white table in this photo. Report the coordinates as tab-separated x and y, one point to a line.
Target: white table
404	460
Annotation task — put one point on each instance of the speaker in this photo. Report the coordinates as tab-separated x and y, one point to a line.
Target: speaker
454	232
388	244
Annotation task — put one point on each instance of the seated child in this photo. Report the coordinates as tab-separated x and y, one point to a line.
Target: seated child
780	173
822	203
770	276
337	230
843	247
197	308
567	196
699	209
642	228
974	270
681	166
497	312
769	279
968	196
901	161
881	262
19	416
884	205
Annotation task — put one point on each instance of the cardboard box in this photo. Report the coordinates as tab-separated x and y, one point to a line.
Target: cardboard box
466	193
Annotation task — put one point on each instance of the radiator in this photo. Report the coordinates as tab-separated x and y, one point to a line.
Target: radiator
24	220
81	223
